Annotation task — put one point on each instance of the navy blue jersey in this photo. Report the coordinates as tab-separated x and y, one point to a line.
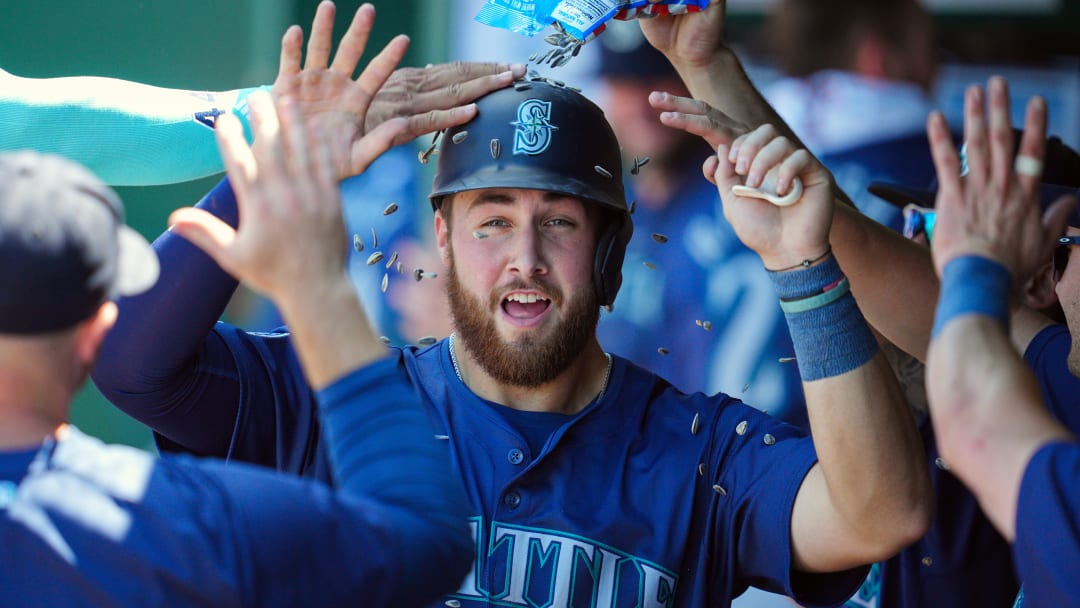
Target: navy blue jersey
85	524
1047	546
702	273
623	506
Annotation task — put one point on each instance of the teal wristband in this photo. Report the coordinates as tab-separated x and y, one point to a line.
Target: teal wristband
824	298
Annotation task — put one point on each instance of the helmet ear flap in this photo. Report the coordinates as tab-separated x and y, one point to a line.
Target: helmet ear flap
610	252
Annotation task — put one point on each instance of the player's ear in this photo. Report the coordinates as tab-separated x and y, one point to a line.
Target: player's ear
1039	290
442	234
91	332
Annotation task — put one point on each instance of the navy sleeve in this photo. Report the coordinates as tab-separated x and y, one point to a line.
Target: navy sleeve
1047	546
1047	355
160	364
762	463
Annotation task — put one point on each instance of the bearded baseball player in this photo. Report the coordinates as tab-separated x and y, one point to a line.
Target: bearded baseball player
591	482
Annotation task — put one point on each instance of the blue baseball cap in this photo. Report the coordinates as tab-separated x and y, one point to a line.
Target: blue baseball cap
1061	175
64	247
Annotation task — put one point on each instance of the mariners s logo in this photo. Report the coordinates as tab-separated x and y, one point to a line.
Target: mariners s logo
532	129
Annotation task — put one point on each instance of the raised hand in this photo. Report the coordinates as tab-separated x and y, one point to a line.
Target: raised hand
783	236
994	210
431	98
698	118
690	39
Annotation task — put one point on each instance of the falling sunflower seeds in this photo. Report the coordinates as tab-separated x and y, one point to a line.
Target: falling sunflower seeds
459	137
374	258
496	149
385	282
786	359
740	429
719	490
662	350
695	424
608	307
392	207
384	340
522	85
357	243
701	469
638	164
650	265
400	268
768	439
419	273
479	235
602	171
426	341
746	387
391	261
659	238
633	205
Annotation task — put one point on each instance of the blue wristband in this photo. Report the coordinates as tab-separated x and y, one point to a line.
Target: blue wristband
976	285
830	339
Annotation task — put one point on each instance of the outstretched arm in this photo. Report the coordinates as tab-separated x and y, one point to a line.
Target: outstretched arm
986	406
869	495
132	134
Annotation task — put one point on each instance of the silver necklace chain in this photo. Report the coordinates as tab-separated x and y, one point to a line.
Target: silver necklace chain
599	396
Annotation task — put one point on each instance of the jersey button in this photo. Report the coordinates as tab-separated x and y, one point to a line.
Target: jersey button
512	500
515	456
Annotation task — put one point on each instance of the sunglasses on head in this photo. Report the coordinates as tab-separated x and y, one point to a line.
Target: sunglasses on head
1061	254
919	220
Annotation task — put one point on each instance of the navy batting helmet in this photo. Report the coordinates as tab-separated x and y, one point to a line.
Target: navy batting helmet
539	135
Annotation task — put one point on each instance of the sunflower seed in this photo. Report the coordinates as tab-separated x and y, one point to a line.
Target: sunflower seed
400	268
424	155
385	282
602	171
357	243
695	424
786	359
531	57
479	235
638	164
459	137
659	238
384	340
939	463
719	490
768	439
452	603
927	561
701	469
496	148
418	274
746	387
392	207
426	341
374	239
521	85
740	429
633	205
608	307
391	261
375	258
662	350
706	325
650	265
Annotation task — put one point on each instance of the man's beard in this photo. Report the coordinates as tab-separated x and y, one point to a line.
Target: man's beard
529	361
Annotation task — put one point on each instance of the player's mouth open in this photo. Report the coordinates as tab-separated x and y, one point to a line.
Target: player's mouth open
525	306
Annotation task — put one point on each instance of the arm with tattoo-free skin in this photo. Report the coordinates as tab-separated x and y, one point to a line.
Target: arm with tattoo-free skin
986	406
869	495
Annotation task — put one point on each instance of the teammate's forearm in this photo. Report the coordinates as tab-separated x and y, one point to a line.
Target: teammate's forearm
127	133
988	413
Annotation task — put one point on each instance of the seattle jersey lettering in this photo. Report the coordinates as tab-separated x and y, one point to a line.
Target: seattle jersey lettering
536	567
